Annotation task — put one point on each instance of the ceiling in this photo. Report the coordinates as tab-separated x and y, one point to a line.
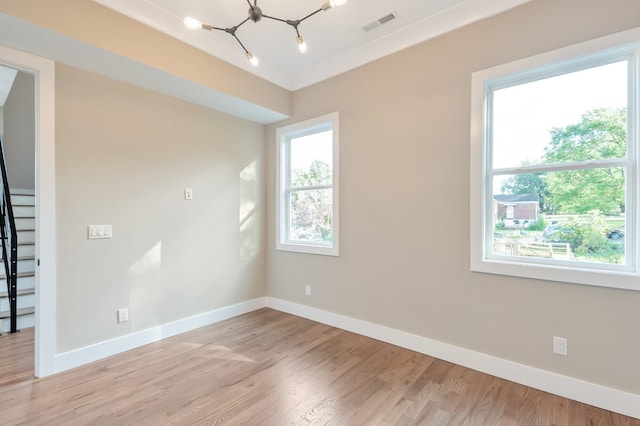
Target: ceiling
336	38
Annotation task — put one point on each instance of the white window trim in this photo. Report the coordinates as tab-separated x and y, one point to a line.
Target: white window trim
571	273
283	135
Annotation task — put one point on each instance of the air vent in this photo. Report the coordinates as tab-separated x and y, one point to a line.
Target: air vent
376	23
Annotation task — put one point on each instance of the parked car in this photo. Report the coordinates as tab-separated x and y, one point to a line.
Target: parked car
615	234
555	233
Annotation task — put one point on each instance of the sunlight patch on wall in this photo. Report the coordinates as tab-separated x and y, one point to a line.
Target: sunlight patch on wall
144	277
152	259
248	226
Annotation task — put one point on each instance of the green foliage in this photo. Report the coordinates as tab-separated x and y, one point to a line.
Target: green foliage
527	183
311	208
612	254
538	225
319	173
600	134
588	238
500	226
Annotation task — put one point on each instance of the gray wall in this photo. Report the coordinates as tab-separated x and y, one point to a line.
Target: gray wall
404	207
123	157
19	132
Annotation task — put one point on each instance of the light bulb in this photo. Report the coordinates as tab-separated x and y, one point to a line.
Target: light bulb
330	4
302	46
254	61
192	23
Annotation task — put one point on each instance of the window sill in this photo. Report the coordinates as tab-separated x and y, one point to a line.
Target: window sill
626	280
308	248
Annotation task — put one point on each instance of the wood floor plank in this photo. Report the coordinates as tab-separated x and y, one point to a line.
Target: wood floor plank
271	368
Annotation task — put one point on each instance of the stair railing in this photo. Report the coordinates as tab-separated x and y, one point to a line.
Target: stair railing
9	238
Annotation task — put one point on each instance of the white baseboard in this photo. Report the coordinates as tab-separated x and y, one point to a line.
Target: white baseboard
589	393
81	356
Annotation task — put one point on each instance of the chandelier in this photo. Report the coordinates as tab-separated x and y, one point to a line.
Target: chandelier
255	15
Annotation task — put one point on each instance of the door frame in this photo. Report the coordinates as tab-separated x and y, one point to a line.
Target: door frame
43	70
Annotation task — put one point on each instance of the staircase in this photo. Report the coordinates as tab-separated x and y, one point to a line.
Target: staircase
24	211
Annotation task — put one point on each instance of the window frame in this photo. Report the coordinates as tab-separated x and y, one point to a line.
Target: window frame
624	45
284	135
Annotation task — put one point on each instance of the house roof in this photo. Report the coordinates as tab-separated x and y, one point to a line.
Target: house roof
516	198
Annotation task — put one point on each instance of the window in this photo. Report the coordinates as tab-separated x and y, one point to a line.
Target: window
554	169
307	208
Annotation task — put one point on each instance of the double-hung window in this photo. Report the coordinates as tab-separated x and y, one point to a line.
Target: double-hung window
307	186
554	165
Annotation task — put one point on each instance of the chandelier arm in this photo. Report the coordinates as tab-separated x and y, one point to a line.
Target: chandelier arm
211	27
277	19
237	26
294	24
310	15
239	42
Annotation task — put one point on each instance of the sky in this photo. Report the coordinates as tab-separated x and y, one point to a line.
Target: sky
306	149
524	114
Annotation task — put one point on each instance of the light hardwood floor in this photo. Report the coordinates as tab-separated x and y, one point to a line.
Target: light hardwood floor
271	368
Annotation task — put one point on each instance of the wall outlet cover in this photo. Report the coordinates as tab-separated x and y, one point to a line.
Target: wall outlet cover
560	346
123	315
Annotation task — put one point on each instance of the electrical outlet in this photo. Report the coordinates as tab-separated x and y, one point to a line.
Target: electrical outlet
188	194
307	290
123	315
560	346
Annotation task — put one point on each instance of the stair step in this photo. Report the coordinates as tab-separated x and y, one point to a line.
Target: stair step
26	236
25	281
24	321
24	223
19	275
22	200
23	191
23	211
26	299
23	292
25	264
25	249
23	241
21	312
20	258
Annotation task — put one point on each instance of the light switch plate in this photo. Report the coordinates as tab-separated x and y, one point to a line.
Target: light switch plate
99	232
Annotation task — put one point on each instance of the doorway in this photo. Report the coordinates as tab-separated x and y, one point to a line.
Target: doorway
17	131
41	70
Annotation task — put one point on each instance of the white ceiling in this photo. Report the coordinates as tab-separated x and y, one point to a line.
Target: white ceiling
336	39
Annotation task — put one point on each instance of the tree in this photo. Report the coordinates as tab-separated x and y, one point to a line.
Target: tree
527	183
600	134
588	239
311	207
